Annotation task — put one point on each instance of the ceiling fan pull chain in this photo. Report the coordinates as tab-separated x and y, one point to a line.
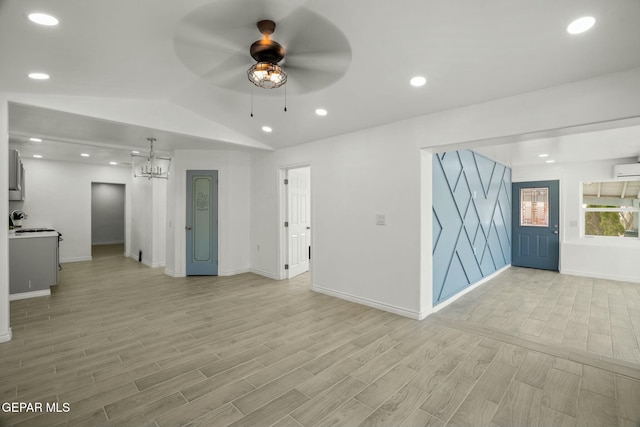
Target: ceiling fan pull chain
251	102
285	98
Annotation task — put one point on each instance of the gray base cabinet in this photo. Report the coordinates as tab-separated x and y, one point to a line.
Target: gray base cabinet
33	264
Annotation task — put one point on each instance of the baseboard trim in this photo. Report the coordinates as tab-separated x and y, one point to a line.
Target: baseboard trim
366	301
76	259
146	261
600	276
6	337
172	273
152	264
234	272
263	273
33	294
465	291
108	243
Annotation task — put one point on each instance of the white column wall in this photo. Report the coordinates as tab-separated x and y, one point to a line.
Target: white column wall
5	330
142	213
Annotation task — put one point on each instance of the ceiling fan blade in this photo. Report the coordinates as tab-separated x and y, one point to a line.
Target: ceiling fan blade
306	80
326	61
317	53
213	42
306	32
230	73
209	34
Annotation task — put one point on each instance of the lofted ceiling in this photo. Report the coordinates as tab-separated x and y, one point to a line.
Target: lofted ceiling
138	51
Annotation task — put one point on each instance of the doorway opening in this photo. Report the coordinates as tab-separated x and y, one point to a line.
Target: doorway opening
107	220
295	214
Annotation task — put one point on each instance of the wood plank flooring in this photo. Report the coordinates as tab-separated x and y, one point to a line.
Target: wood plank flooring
125	345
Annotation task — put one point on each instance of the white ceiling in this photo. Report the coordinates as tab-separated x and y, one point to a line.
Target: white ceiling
471	51
604	144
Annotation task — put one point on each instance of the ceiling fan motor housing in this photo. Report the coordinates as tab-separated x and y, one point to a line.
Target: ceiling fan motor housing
267	50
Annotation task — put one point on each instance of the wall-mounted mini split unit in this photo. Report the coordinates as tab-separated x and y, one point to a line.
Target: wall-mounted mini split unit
629	171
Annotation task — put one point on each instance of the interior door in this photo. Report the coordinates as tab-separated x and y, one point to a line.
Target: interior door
202	223
298	217
535	219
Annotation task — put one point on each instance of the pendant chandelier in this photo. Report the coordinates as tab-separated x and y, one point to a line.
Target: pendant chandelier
150	166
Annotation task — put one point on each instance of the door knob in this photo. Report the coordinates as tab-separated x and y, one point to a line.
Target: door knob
555	232
188	227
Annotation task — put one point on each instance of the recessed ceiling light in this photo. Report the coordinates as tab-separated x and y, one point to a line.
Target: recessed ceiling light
37	156
39	76
321	111
113	163
35	140
135	152
43	19
85	155
267	129
418	81
551	161
543	155
581	25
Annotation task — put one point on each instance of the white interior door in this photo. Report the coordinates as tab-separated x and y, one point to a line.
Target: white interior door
298	216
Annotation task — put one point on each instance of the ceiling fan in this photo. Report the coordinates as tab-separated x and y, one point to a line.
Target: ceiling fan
266	73
217	43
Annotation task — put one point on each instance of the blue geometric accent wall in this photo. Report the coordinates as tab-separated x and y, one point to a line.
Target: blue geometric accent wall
471	220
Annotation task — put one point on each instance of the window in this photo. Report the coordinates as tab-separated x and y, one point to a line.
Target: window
534	207
611	208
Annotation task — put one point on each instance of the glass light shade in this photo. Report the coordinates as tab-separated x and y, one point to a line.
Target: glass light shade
267	75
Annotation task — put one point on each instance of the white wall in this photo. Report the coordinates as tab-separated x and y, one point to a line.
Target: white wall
159	223
107	213
5	330
353	178
233	209
58	195
148	221
609	258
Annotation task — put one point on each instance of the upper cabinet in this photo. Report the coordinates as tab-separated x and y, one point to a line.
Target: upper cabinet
16	176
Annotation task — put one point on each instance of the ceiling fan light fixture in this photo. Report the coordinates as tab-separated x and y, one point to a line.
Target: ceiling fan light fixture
267	75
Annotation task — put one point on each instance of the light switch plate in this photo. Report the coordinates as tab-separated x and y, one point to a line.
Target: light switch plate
381	219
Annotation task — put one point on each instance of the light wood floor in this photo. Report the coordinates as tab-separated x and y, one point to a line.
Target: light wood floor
124	344
104	251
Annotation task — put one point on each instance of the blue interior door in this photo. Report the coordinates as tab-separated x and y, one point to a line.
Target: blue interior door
535	219
202	223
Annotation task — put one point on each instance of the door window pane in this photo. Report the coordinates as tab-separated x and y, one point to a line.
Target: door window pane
202	218
534	207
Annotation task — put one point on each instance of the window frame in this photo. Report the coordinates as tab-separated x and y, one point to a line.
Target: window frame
622	209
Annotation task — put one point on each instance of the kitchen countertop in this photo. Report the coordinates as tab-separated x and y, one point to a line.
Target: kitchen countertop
33	235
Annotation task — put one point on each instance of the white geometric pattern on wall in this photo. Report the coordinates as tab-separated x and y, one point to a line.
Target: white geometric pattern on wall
471	220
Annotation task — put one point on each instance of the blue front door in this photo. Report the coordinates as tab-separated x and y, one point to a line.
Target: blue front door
535	220
202	223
